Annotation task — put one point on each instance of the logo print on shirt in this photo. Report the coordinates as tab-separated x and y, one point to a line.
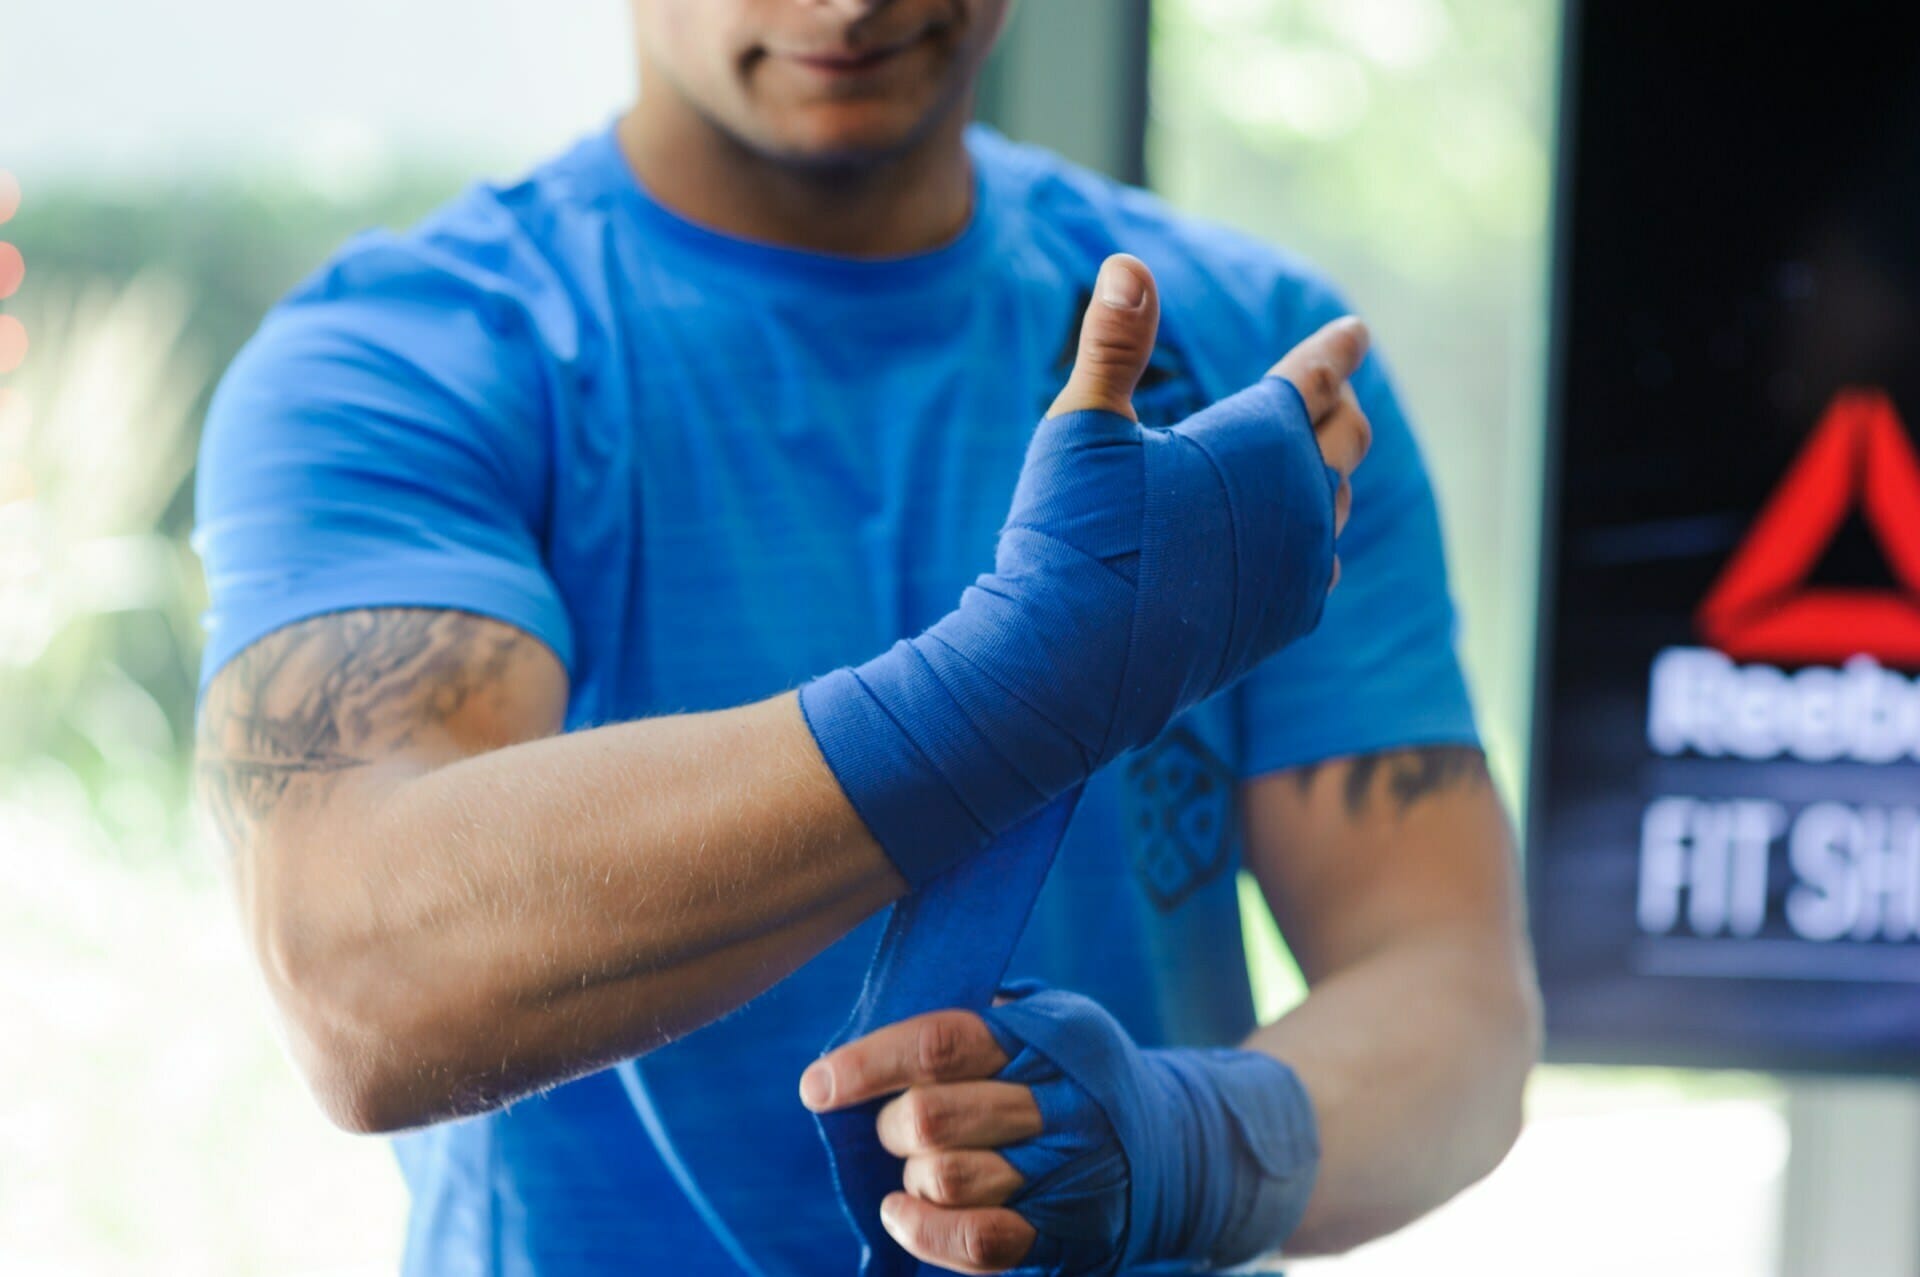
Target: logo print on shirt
1167	392
1176	800
1762	608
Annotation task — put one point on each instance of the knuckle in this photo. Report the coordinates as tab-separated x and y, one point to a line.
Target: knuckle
975	1243
927	1119
1106	347
992	1243
938	1046
952	1179
1321	380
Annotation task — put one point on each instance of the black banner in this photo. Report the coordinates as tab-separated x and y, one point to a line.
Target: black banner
1724	857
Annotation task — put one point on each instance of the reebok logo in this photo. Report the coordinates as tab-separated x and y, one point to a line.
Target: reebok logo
1762	609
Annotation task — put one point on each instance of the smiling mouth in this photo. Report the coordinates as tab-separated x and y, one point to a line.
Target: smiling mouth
843	63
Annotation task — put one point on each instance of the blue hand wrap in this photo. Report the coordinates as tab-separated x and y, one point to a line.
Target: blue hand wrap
1207	1155
1139	571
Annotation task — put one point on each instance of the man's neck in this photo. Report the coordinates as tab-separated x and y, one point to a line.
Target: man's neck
911	202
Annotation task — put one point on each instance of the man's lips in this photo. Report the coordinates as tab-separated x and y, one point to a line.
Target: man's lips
852	62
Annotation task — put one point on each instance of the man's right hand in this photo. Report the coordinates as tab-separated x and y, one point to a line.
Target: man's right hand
1139	571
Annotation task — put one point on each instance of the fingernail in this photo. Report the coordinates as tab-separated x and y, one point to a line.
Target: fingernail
890	1214
1121	287
816	1086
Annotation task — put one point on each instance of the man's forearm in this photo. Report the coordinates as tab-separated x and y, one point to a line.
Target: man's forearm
1416	1059
449	919
560	904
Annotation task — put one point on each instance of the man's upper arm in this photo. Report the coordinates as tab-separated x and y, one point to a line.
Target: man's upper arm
360	697
1356	853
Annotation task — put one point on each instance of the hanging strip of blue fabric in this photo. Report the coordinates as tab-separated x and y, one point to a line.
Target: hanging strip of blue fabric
946	945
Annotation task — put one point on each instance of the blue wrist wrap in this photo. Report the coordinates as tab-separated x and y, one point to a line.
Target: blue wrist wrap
1207	1156
1139	571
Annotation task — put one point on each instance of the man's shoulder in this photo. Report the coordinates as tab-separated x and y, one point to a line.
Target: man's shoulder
1205	268
495	251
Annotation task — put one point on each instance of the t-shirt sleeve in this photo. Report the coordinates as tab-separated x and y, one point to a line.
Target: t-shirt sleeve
1381	670
380	442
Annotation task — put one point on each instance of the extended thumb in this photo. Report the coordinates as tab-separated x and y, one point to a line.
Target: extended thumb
1116	340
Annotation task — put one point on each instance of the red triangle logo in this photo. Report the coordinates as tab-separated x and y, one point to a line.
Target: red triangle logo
1761	608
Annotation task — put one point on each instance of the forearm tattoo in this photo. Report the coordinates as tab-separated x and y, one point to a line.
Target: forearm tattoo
1403	776
325	696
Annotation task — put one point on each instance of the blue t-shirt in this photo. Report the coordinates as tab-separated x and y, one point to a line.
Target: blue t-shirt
704	470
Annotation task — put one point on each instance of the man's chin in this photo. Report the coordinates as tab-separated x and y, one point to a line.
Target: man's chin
847	134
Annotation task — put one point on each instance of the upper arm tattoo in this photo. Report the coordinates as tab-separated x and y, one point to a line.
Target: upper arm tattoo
328	695
1403	776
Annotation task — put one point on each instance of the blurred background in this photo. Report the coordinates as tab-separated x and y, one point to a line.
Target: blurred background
181	166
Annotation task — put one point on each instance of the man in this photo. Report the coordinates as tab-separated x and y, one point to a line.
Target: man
520	529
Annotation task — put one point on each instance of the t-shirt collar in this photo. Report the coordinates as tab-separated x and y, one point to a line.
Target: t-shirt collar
775	266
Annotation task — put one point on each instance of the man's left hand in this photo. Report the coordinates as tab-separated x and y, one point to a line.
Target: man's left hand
946	1119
